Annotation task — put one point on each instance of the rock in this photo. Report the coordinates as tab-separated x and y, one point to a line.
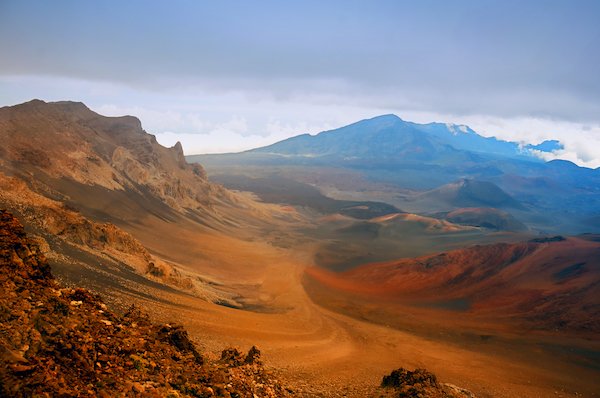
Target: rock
232	356
253	356
455	391
22	368
9	356
178	337
401	377
138	387
417	383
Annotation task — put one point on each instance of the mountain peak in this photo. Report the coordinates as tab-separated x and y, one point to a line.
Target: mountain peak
389	119
369	125
546	146
69	106
67	139
389	116
34	101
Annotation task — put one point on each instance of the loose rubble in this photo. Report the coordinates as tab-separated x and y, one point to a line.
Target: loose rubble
62	342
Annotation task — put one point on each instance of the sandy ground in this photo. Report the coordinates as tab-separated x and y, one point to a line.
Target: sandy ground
322	353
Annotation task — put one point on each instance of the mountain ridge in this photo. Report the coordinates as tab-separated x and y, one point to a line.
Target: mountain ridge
556	196
90	186
111	152
462	134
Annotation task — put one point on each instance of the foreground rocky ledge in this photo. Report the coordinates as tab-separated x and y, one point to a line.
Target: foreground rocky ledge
57	342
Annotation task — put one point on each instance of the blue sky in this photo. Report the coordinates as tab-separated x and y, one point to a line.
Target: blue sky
231	75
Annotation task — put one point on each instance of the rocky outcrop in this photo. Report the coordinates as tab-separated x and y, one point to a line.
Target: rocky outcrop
420	383
64	342
68	140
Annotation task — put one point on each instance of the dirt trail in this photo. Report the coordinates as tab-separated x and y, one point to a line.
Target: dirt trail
322	353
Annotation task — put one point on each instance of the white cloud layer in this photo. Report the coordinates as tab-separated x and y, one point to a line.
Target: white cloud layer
231	121
581	141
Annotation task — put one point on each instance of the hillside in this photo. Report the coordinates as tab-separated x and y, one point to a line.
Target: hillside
101	193
60	341
69	148
547	284
468	193
485	217
66	342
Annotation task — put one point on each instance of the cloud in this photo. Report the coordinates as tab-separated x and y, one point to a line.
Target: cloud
581	141
234	121
233	136
457	58
237	125
276	127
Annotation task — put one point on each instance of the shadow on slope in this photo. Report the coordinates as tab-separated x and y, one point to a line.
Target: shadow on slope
278	189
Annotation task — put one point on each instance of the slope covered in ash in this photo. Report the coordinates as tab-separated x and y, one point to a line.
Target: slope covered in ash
485	217
546	283
66	342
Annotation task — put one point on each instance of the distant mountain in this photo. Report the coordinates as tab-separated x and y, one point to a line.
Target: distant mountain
390	136
551	196
430	155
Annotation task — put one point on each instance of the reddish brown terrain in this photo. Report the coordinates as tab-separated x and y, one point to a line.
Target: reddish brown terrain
118	214
534	303
547	284
58	341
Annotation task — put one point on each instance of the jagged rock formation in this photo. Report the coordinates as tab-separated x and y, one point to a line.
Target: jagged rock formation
64	342
68	140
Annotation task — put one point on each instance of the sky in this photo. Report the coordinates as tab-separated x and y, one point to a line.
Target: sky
223	76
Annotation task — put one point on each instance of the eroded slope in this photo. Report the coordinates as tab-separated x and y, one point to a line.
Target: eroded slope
57	341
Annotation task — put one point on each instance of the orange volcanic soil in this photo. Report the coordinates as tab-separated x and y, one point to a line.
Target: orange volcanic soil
549	285
530	309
